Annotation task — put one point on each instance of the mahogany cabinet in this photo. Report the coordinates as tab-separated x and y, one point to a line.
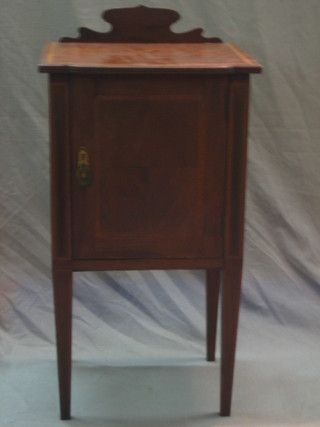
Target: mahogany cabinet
148	135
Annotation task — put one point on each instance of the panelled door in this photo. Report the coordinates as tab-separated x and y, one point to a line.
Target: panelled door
148	166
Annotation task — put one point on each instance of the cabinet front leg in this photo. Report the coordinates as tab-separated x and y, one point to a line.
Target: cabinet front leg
212	299
231	292
62	289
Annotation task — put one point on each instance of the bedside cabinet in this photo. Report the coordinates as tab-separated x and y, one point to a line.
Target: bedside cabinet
148	134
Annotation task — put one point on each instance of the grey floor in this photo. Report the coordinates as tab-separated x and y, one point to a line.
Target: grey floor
277	383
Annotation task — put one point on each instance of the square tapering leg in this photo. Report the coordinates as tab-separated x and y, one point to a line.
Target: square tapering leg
212	299
62	284
231	292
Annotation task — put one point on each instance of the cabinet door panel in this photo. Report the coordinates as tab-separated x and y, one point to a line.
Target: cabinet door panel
156	149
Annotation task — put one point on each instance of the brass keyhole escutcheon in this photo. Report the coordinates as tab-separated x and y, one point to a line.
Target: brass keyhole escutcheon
83	167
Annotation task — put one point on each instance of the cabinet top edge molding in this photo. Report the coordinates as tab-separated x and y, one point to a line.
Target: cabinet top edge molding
58	57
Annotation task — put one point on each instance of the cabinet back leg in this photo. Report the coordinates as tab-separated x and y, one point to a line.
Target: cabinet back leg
212	299
62	289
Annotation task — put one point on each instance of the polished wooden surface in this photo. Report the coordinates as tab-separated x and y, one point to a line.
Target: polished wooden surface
163	129
217	58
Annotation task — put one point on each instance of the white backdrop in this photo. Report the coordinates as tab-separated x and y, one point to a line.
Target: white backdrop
157	318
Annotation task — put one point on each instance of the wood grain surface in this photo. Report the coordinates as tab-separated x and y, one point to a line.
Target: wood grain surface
133	57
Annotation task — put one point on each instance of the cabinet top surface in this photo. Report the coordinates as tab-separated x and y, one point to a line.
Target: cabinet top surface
145	57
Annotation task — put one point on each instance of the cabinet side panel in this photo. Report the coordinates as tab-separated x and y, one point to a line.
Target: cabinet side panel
60	169
216	88
236	165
